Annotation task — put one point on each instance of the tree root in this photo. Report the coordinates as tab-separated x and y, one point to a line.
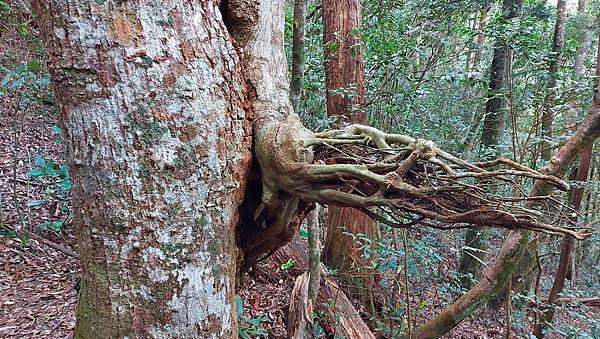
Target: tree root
397	180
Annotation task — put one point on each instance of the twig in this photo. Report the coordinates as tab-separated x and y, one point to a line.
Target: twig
47	242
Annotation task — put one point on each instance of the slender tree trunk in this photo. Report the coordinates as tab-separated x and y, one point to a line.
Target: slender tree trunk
298	53
568	243
579	64
496	110
314	255
476	119
555	60
295	93
157	150
499	272
566	249
344	77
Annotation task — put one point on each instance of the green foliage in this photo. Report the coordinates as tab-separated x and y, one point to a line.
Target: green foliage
249	327
55	226
50	168
288	264
303	232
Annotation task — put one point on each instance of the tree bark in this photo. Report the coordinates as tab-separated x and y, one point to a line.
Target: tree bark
496	110
566	249
300	325
579	63
158	147
478	114
298	53
345	83
555	60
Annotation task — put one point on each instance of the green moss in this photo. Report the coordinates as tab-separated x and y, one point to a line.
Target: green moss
99	274
167	22
149	128
177	163
171	248
82	310
144	171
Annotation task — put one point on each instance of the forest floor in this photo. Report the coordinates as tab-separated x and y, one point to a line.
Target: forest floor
38	283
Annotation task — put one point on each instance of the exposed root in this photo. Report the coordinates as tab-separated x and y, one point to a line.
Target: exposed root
397	180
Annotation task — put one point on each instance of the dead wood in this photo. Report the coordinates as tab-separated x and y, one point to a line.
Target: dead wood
337	315
300	325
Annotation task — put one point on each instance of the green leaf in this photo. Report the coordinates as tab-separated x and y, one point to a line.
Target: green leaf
65	185
18	83
303	232
55	225
36	172
288	264
6	80
39	160
34	203
239	306
20	68
57	129
256	321
33	65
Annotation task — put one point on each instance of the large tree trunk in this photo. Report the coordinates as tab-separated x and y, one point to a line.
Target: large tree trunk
160	122
345	83
496	110
153	107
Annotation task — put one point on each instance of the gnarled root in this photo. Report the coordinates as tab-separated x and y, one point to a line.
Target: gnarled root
397	180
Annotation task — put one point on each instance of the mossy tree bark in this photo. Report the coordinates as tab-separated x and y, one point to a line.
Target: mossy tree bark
154	110
496	111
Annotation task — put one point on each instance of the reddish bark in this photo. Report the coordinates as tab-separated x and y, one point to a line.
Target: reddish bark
344	64
567	247
344	78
